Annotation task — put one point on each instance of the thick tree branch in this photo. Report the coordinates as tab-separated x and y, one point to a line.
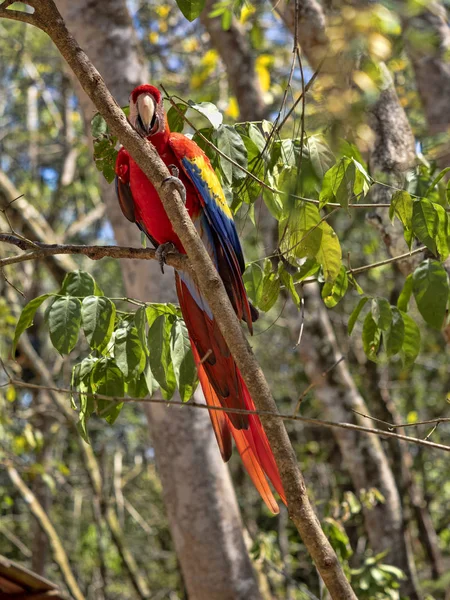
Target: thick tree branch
47	18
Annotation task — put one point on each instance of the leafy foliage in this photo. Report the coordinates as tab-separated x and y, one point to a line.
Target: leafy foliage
130	353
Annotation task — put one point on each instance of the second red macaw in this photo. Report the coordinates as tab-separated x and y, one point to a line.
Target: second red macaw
219	376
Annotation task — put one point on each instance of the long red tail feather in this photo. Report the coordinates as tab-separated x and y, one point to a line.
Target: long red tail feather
251	441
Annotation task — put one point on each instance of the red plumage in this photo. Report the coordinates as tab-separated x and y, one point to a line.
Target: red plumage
219	376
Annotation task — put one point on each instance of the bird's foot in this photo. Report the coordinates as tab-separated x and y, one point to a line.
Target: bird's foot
176	181
161	253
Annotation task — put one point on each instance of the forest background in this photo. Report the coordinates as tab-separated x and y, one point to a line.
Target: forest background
352	128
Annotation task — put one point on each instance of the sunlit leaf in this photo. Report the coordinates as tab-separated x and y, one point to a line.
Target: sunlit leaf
333	292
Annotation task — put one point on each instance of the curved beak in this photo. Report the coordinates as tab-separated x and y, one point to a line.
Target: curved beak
146	110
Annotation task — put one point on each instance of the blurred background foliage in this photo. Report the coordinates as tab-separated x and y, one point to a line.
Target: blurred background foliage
46	154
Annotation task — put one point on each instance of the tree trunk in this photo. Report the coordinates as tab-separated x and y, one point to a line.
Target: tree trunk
202	509
236	53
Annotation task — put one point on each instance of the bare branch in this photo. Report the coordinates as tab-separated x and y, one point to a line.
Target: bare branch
41	250
261	413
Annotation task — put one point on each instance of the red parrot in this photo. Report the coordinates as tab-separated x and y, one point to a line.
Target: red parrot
219	376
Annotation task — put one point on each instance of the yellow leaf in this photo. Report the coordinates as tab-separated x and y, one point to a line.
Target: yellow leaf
261	64
246	12
210	59
379	46
233	109
153	37
162	11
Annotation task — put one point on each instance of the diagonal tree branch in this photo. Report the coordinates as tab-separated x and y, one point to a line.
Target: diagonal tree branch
59	553
47	18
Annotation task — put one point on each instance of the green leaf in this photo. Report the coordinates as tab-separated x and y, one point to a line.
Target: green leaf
81	381
333	292
320	155
270	290
99	127
128	352
97	315
338	182
411	341
288	281
436	180
140	321
230	143
175	119
253	279
405	294
425	223
208	110
64	320
297	227
355	314
257	137
182	360
371	337
394	336
191	9
160	359
137	388
338	537
78	283
107	380
330	253
402	207
150	380
303	236
26	318
381	313
431	292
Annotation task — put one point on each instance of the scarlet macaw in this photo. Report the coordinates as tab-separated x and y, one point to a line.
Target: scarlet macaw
219	376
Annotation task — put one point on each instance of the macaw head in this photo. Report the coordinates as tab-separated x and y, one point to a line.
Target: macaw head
146	110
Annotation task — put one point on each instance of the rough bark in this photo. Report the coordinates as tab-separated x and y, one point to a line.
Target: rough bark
216	541
236	54
427	38
229	570
47	18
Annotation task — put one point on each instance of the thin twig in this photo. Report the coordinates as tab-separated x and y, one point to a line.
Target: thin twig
388	261
284	417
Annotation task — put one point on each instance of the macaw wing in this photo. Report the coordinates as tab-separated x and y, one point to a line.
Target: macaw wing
229	257
124	193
